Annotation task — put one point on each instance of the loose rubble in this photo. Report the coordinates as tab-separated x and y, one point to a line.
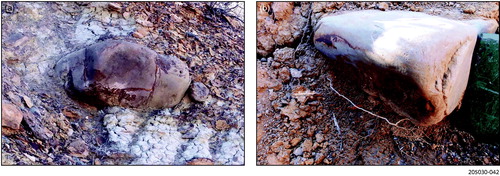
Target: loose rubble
282	26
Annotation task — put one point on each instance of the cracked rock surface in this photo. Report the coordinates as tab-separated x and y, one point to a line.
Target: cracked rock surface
126	74
416	63
157	140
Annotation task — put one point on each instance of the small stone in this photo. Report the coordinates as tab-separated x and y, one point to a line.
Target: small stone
319	137
284	55
145	23
200	162
30	157
295	141
20	41
137	35
114	6
416	9
142	31
11	116
284	156
284	74
126	15
27	101
383	6
486	160
70	113
105	17
176	18
298	151
272	159
307	145
221	125
319	158
361	4
315	146
78	148
266	81
16	80
291	111
14	98
469	9
309	162
97	162
199	92
295	73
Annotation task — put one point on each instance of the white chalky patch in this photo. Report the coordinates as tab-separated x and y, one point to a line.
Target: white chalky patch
199	146
231	151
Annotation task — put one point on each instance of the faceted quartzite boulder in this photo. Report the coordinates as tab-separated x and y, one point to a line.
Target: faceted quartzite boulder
416	63
124	74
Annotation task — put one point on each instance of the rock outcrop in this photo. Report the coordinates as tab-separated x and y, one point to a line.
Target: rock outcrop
125	74
416	63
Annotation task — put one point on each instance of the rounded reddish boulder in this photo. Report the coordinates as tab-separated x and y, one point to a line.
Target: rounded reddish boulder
119	73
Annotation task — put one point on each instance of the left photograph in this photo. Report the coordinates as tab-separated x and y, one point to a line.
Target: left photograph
122	83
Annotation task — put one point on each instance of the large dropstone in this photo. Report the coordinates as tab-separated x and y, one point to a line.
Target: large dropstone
417	64
124	74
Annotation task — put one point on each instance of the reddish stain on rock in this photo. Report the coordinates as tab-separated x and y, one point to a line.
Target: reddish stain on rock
11	116
124	74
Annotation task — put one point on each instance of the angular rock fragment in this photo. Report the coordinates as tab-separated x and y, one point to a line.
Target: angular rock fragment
11	116
125	74
416	63
78	148
199	92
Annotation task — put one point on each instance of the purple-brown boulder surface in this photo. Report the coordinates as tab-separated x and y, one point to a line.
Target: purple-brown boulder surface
120	73
416	63
11	116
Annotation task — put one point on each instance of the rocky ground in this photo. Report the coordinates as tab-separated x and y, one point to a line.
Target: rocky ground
47	127
302	121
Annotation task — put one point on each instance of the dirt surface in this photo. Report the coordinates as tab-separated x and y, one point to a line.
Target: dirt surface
57	130
302	121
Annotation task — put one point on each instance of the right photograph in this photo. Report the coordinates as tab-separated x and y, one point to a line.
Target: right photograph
378	83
